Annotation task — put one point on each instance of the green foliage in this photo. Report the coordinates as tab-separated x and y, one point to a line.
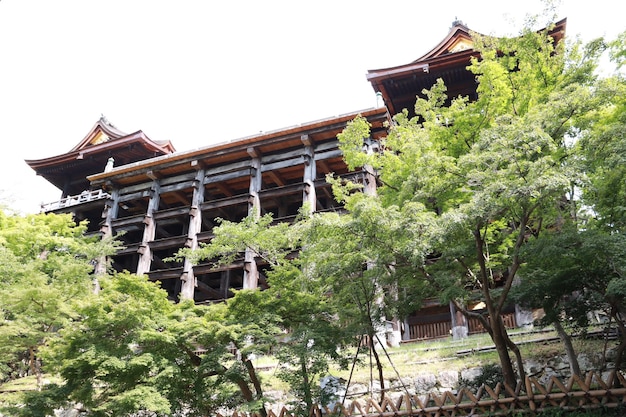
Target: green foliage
494	171
130	350
602	149
490	375
46	266
570	272
294	318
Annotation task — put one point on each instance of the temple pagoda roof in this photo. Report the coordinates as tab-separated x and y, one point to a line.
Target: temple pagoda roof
68	171
448	60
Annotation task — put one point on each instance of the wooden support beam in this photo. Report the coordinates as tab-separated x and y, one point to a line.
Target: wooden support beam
370	178
320	156
281	156
309	196
127	221
181	198
177	187
323	167
212	179
198	164
251	274
224	202
224	189
189	281
134	196
276	178
176	179
171	213
287	163
307	140
158	264
168	243
215	294
225	282
145	259
254	152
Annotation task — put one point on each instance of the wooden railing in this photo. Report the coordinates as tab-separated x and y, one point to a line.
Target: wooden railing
475	326
591	392
73	200
430	330
436	330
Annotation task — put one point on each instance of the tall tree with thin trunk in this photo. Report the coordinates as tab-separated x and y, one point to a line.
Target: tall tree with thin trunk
495	171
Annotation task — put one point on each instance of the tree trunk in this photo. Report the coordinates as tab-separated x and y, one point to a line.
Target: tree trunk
494	308
255	382
253	377
518	355
499	338
35	369
574	366
379	365
306	384
619	355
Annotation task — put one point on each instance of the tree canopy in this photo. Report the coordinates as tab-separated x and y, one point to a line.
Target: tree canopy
46	266
496	171
516	196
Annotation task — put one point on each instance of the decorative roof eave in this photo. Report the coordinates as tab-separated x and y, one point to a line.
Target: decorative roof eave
232	145
112	133
454	53
419	67
102	125
78	153
458	33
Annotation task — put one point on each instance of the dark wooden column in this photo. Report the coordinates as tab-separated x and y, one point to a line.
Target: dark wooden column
145	254
109	212
309	195
251	273
369	187
188	278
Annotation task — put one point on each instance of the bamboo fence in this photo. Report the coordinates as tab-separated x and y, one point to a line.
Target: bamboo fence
528	398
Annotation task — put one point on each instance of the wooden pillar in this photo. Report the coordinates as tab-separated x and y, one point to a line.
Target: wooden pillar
369	187
251	273
109	212
225	283
309	195
149	231
460	328
188	278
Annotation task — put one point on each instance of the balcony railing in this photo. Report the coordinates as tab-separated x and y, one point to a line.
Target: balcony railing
72	200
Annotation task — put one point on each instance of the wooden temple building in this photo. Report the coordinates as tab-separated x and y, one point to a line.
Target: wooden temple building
159	200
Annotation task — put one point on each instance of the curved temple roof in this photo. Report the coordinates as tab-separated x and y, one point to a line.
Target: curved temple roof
447	60
68	171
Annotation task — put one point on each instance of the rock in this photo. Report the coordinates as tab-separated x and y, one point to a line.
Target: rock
425	383
471	374
533	367
448	380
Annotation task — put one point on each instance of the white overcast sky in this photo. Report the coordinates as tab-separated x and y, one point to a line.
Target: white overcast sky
201	72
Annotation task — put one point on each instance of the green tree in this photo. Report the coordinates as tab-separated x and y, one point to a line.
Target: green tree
342	283
495	171
571	273
603	147
294	318
369	258
129	350
46	265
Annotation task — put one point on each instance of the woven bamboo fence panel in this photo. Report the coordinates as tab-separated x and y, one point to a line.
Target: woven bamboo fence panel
591	392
